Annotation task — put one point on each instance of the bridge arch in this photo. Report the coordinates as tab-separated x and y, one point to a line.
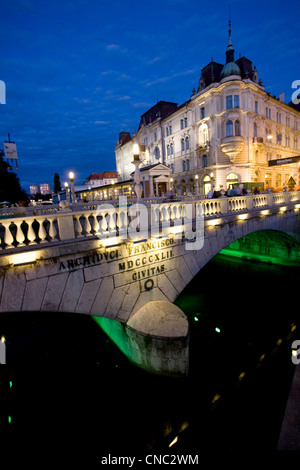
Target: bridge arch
66	268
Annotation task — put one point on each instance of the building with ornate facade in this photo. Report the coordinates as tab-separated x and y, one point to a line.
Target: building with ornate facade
225	134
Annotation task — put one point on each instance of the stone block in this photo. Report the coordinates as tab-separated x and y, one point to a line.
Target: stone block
87	296
176	279
167	288
13	291
103	296
34	294
72	291
55	288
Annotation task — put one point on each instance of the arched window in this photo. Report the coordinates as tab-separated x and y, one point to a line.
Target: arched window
157	153
168	150
229	128
204	161
237	127
183	165
171	148
187	143
187	165
182	145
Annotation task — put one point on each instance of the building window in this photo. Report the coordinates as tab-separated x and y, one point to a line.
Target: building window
279	139
295	143
236	101
268	113
167	131
287	141
168	150
278	118
182	145
155	137
237	127
228	102
268	179
288	121
255	130
229	128
187	165
185	122
157	153
205	135
183	165
171	148
231	179
204	161
296	125
187	143
172	168
202	112
181	123
278	180
256	106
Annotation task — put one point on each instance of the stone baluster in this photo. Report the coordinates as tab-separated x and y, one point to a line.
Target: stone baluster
87	226
95	224
103	223
112	221
20	237
52	229
78	227
42	232
31	235
8	238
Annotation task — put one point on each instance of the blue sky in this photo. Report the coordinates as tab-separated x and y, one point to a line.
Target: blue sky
79	72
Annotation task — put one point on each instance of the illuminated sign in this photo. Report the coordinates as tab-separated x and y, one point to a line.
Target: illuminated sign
284	161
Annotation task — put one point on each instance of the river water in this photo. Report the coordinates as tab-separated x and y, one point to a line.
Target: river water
71	392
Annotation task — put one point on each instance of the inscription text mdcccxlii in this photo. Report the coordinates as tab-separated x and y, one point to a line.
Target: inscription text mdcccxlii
144	259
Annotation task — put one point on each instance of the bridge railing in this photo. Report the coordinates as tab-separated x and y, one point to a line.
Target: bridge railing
22	229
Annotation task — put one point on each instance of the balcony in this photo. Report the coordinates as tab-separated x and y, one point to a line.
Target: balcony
232	146
203	147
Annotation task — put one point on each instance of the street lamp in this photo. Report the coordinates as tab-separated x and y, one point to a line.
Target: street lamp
137	174
71	176
171	185
197	184
212	180
67	191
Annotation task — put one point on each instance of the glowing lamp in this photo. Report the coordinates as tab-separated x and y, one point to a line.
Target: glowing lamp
136	149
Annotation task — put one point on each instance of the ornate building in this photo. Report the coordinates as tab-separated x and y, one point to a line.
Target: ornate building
226	133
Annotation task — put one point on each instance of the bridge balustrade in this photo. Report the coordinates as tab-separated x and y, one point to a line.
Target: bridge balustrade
76	222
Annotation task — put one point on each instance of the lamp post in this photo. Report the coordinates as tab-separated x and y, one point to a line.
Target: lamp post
197	184
67	191
138	188
212	181
72	195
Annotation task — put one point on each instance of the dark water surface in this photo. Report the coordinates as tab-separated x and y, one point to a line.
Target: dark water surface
73	395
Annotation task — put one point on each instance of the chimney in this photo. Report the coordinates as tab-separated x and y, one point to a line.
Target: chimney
281	97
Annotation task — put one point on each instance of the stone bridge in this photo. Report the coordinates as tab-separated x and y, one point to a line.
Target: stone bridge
108	261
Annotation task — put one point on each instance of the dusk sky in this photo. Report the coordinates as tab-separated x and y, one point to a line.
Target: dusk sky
79	72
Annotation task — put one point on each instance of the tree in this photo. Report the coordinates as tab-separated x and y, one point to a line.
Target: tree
57	183
10	188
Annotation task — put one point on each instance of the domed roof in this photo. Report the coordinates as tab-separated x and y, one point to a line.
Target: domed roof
230	68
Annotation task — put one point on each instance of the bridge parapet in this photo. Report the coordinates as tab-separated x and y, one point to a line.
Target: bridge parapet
106	220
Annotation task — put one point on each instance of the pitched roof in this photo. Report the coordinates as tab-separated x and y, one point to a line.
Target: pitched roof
101	176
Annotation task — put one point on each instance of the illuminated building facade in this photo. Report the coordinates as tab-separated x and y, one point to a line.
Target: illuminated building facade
225	134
